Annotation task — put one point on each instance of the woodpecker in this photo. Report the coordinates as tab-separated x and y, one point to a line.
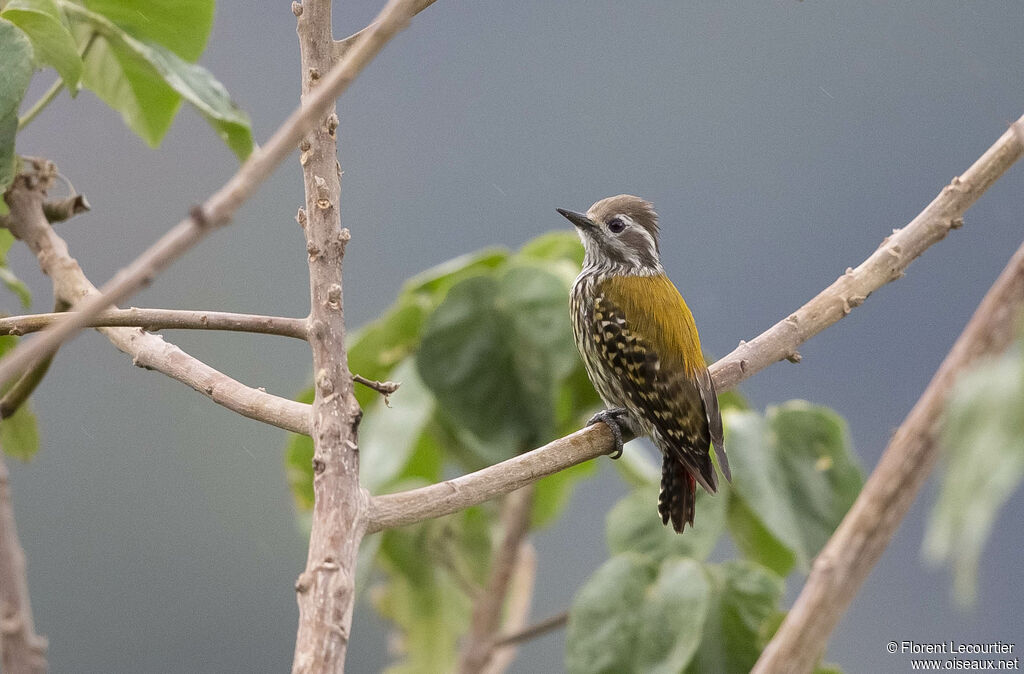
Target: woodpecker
641	349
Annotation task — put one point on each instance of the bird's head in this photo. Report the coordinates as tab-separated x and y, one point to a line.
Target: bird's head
620	235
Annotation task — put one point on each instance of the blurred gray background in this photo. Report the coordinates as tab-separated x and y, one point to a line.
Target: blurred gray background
780	142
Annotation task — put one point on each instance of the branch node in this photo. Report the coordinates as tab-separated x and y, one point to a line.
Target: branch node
303	582
956	223
324	383
198	217
300	218
794	357
314	74
334	295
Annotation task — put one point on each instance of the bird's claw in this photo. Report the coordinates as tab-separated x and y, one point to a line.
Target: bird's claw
610	418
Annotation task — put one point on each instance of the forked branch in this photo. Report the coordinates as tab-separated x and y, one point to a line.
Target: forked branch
28	223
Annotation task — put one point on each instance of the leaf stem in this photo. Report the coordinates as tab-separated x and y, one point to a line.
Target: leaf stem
54	89
38	106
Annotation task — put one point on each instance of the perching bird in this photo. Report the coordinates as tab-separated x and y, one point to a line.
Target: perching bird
642	352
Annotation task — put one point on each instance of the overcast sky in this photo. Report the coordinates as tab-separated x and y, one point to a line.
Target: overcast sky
780	142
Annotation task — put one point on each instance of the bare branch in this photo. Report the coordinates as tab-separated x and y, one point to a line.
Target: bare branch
221	206
23	649
341	46
29	224
326	589
487	610
779	342
517	607
152	320
864	533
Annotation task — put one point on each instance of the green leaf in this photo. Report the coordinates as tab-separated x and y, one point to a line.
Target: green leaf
146	82
983	433
633	524
793	469
19	433
494	351
435	282
16	286
757	543
552	493
634	615
744	599
555	246
16	57
389	435
182	26
51	39
13	283
427	568
298	463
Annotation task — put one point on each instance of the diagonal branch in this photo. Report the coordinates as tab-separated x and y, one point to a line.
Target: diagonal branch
28	223
152	320
23	649
779	342
221	206
864	533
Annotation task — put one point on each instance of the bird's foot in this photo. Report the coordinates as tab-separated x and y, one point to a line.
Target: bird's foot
611	419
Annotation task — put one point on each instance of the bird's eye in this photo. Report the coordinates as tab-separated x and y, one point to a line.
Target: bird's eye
616	225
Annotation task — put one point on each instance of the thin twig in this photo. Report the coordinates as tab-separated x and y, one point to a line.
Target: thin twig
886	264
152	320
864	533
221	206
28	223
478	647
23	650
541	628
385	388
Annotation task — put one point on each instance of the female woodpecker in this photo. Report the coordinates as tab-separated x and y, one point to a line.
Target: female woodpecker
642	352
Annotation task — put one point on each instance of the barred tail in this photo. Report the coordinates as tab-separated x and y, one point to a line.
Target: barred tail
678	494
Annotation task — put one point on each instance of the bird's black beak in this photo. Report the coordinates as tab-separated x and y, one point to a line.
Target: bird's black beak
578	219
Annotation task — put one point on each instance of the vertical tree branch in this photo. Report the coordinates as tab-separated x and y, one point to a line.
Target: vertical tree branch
23	650
864	533
487	611
517	608
326	589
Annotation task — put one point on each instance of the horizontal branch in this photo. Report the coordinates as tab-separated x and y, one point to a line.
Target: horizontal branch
166	319
216	211
848	557
28	223
777	343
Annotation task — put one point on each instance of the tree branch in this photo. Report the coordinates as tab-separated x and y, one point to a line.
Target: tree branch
221	206
152	320
517	608
326	589
533	631
58	210
779	342
28	223
341	46
23	650
487	609
864	533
